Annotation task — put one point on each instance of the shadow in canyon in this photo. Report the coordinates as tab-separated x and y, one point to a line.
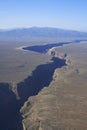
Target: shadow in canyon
41	77
45	48
10	118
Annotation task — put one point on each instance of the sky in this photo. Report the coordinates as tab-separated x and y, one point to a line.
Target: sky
66	14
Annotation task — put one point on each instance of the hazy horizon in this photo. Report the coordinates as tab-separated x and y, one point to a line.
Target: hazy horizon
20	28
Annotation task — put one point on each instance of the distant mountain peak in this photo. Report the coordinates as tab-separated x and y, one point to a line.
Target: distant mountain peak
40	32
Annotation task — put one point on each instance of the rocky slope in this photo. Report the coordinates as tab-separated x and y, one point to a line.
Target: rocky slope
63	104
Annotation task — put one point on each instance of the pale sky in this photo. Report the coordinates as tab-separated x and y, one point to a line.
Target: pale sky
66	14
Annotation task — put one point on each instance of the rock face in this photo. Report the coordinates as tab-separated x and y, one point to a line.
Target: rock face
62	105
52	52
58	106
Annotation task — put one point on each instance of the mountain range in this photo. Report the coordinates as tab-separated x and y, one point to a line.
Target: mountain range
40	32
